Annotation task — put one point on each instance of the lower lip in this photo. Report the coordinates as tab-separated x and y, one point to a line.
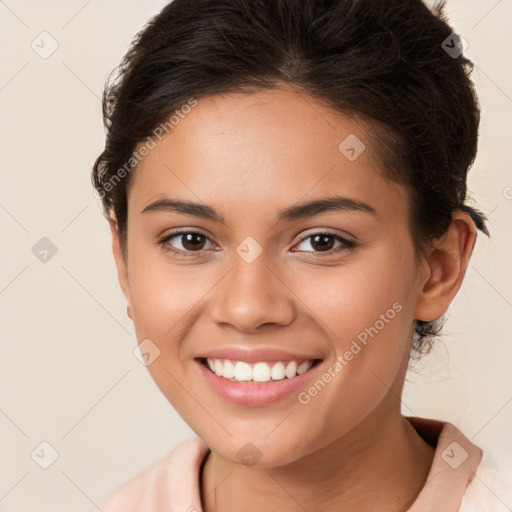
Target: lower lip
255	394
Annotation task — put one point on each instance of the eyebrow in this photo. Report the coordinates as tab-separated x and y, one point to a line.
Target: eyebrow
295	212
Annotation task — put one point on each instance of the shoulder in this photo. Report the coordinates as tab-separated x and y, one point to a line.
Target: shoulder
490	489
171	479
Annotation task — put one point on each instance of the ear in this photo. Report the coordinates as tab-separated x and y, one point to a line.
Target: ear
121	264
446	267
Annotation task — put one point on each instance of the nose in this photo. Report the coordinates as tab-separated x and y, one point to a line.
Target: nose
252	295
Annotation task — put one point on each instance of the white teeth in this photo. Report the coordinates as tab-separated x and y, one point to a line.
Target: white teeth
291	369
304	367
243	370
277	372
259	372
228	370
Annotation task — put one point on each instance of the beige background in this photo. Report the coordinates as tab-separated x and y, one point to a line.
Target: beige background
67	372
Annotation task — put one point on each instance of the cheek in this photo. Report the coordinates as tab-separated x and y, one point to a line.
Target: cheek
365	310
366	316
165	300
368	292
164	294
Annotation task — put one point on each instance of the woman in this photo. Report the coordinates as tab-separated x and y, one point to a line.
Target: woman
285	182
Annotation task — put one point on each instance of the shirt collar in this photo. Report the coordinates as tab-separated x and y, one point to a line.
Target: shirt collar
454	465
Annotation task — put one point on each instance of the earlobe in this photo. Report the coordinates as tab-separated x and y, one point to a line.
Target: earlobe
121	264
447	264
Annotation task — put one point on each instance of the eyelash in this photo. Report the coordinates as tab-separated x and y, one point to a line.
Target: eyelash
347	244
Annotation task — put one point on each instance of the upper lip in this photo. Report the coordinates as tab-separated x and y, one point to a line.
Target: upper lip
253	355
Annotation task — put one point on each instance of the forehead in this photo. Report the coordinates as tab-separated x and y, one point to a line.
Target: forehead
269	147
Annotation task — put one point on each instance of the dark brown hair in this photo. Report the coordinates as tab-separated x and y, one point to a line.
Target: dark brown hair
394	64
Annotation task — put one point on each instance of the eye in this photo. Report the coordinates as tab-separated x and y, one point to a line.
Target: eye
325	242
187	242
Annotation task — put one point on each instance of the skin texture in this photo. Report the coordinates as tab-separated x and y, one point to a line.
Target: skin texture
249	156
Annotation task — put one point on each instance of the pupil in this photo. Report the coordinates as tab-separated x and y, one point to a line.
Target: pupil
319	242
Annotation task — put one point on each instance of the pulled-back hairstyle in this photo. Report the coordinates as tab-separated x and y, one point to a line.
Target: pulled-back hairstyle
386	62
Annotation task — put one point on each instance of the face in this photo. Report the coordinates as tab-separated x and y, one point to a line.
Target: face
260	279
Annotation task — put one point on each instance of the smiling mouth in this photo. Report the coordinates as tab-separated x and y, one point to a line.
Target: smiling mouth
258	372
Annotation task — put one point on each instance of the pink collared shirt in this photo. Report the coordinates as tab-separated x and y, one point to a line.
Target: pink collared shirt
460	479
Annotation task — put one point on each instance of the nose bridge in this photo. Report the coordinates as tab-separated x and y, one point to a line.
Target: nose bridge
252	294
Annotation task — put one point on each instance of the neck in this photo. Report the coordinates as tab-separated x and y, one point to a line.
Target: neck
380	465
